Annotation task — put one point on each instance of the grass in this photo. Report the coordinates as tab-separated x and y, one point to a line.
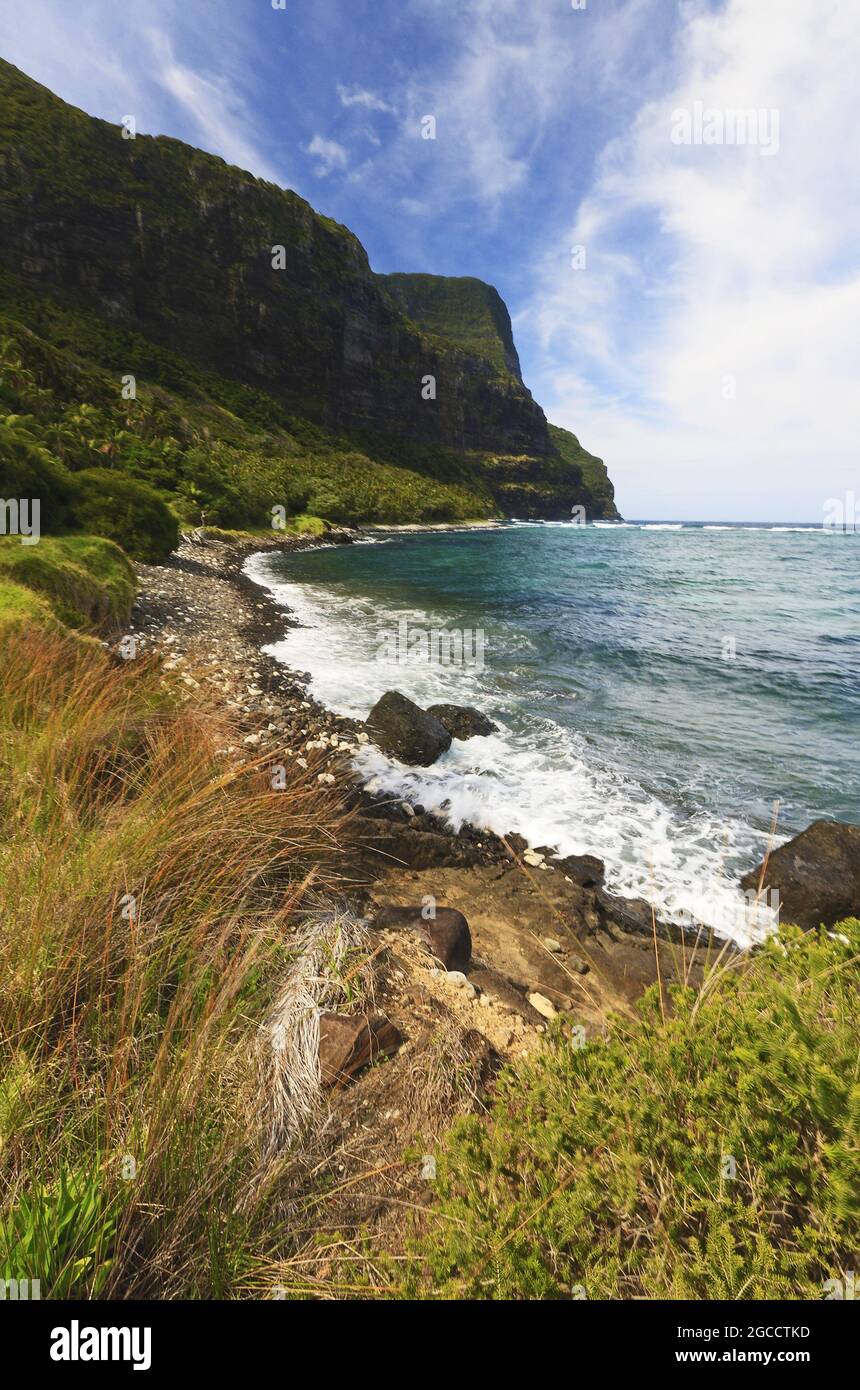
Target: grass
148	906
163	921
20	607
88	582
713	1153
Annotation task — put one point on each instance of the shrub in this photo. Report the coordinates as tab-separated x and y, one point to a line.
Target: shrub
715	1154
27	470
126	511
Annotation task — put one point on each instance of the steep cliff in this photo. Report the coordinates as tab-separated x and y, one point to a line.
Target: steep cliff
467	312
149	257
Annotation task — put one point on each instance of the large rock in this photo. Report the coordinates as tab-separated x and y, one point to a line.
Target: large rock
403	730
446	933
390	844
462	721
348	1043
585	869
817	875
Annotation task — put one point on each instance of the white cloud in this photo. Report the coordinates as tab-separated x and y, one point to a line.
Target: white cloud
358	96
712	262
329	154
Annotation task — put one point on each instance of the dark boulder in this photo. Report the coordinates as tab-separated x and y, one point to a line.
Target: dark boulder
384	843
348	1043
584	869
446	933
462	721
817	875
405	731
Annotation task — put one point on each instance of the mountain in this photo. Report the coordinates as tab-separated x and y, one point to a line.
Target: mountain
462	310
255	328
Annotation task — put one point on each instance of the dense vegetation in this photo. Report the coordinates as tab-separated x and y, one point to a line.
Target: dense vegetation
146	331
712	1153
88	582
467	312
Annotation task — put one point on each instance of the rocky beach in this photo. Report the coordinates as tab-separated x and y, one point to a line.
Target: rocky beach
543	929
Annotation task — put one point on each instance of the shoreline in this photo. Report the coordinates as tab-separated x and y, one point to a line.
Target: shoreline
210	621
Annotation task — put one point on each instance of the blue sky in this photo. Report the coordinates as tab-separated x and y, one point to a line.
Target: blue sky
709	346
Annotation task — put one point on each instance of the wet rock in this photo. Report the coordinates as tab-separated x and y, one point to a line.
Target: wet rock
405	731
817	875
462	721
397	844
585	869
350	1043
446	934
630	914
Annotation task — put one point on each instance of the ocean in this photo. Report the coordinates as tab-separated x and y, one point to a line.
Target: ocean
661	690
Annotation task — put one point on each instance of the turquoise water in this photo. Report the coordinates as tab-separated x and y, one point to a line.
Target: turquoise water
657	689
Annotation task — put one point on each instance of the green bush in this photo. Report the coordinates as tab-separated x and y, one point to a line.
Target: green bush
126	511
605	1172
29	471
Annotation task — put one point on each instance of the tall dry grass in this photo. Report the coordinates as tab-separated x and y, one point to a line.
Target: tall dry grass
149	903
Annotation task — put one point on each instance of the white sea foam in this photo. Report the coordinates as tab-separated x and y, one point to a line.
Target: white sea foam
540	781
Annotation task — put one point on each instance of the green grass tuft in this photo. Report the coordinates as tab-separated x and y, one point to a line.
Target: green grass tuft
89	582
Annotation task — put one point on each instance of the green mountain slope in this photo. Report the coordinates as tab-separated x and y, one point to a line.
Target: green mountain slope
270	365
465	311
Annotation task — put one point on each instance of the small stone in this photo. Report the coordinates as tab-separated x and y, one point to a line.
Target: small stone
543	1005
533	858
552	945
455	979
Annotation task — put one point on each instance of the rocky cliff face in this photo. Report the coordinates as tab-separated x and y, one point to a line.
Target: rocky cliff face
245	279
464	311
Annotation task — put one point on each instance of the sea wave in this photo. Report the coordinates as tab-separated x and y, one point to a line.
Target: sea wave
540	781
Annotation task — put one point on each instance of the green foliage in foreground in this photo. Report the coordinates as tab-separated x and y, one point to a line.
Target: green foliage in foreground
20	607
65	1231
604	1172
89	582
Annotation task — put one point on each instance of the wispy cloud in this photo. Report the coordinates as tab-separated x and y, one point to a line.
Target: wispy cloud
358	96
328	154
214	106
711	343
185	72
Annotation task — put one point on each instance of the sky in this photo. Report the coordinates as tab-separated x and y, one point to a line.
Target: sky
684	282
